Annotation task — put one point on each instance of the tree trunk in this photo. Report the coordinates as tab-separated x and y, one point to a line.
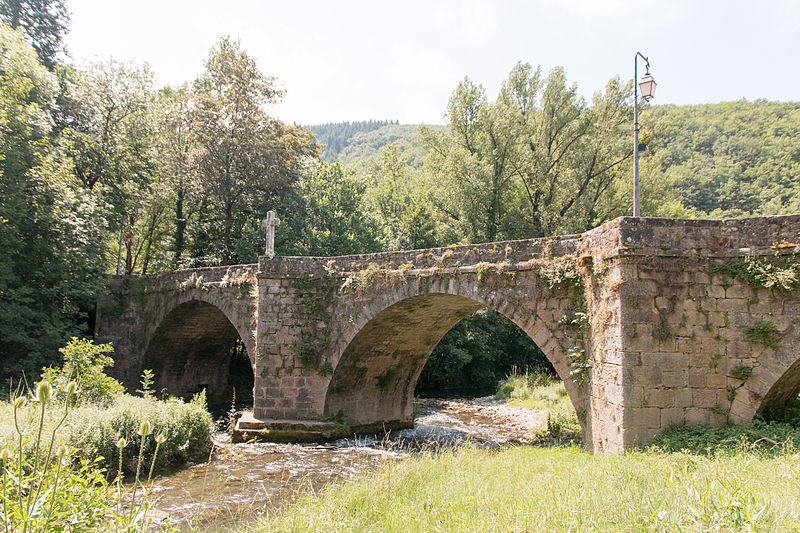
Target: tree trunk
180	226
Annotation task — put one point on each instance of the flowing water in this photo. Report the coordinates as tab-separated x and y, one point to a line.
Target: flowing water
245	481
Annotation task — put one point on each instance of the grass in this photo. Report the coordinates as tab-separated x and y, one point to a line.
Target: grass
539	390
691	479
93	431
560	489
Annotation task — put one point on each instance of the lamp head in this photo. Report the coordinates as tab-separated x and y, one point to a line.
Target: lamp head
647	85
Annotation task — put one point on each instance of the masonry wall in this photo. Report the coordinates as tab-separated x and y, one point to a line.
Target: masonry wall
688	344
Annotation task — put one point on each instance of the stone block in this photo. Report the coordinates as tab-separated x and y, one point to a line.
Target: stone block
672	416
716	380
645	417
704	398
660	397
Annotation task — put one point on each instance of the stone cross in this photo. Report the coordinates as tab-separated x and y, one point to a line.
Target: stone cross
270	223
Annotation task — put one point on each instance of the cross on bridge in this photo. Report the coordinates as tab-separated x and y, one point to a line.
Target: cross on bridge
271	222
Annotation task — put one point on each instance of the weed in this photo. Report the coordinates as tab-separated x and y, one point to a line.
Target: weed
765	333
780	273
741	371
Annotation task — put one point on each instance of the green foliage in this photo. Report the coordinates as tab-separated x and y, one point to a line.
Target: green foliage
768	437
49	227
535	162
84	362
741	371
480	351
730	159
401	205
784	413
765	333
561	274
780	273
325	369
335	136
333	220
94	431
46	487
147	383
247	160
45	22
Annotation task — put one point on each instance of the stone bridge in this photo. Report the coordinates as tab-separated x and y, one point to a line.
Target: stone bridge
649	322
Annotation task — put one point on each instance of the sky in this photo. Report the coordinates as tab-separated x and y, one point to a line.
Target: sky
357	60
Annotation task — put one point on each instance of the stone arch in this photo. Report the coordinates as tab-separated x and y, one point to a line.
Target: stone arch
385	347
189	348
774	383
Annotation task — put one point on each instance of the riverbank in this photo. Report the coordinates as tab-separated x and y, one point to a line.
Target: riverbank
560	489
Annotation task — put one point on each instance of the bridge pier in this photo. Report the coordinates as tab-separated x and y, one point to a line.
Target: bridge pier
649	322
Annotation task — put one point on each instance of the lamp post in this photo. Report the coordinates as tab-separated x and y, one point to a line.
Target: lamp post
648	86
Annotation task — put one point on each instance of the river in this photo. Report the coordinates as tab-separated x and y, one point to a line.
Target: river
244	481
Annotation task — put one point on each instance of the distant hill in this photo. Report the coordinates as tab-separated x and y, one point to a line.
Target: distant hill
732	158
355	144
336	135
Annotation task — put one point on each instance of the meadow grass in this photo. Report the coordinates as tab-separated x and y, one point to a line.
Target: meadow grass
539	390
692	479
560	489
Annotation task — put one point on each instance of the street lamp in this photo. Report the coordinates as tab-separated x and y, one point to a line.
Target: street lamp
648	86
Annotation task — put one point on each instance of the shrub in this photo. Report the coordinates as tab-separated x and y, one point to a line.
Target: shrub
701	439
84	362
186	427
42	491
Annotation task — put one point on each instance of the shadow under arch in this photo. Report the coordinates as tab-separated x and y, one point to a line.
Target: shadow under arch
193	348
784	392
374	379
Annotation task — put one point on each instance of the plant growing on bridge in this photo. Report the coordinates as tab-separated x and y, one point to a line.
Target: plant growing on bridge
779	273
765	333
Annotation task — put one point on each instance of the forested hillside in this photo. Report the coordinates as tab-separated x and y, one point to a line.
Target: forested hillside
723	160
335	136
731	159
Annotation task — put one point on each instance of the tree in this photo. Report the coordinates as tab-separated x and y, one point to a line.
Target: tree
50	227
334	219
45	22
245	157
535	162
469	165
400	205
108	125
568	153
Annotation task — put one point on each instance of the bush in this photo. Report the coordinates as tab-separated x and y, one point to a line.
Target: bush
84	362
42	490
701	439
186	427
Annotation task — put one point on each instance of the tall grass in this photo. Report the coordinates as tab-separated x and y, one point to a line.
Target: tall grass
539	390
45	489
93	431
560	489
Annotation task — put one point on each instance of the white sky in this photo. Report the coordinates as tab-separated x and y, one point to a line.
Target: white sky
357	60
